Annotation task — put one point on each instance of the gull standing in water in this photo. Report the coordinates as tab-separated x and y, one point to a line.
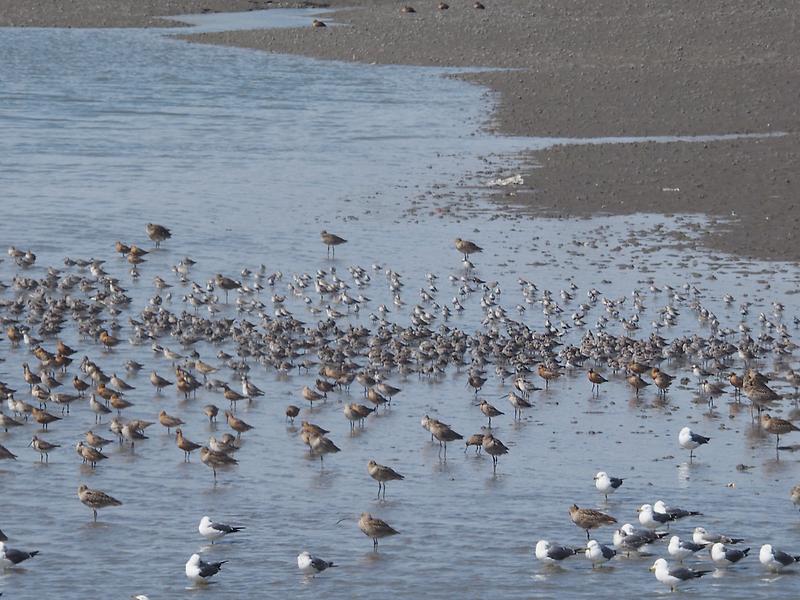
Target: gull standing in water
690	441
10	557
199	571
774	559
553	553
606	484
312	565
675	576
598	553
724	557
683	549
214	531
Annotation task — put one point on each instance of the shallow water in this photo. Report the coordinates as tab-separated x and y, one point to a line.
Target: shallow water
246	156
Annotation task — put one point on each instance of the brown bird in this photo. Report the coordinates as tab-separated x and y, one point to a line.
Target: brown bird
214	460
6	422
320	445
43	417
382	474
80	385
238	425
169	421
587	518
43	447
466	247
95	440
778	427
318	23
291	412
596	380
211	411
227	284
119	403
331	241
443	434
96	499
494	448
311	395
187	446
108	340
519	403
157	233
548	374
6	454
489	410
407	9
636	382
476	439
159	382
89	455
375	528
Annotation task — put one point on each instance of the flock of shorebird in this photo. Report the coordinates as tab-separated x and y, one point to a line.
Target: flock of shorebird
88	298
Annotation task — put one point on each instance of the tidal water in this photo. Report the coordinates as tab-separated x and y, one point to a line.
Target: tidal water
246	156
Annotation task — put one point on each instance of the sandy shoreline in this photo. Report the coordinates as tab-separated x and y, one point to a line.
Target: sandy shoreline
582	68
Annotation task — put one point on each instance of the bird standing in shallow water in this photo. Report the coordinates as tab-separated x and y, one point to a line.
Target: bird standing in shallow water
331	241
690	441
96	499
312	565
215	531
157	233
199	571
588	518
375	528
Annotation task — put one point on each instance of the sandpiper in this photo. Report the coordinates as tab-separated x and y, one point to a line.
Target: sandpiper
43	447
157	233
466	247
490	411
331	241
588	518
596	380
494	448
778	427
184	444
214	460
237	424
375	528
169	421
96	499
382	474
89	455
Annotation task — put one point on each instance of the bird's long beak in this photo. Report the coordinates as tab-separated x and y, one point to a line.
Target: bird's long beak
30	444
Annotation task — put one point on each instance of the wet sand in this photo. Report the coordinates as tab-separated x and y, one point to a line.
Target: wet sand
585	69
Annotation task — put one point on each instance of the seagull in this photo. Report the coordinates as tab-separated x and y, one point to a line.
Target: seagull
9	557
598	553
605	484
199	571
701	536
680	550
724	557
311	565
552	553
214	531
632	540
775	560
689	441
676	576
651	519
674	513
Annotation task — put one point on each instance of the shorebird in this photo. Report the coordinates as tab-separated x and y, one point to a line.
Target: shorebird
596	380
11	557
96	499
382	474
673	577
774	559
355	412
215	531
316	23
311	395
6	454
724	557
443	433
375	528
89	455
636	382
96	441
547	374
184	444
6	422
588	518
683	549
476	439
291	412
312	565
43	447
494	448
331	241
214	460
238	425
518	403
778	427
43	417
598	553
199	571
553	553
466	247
690	441
490	411
211	411
320	445
169	421
606	484
794	494
157	233
159	382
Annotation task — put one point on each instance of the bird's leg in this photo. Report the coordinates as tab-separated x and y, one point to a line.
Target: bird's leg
94	512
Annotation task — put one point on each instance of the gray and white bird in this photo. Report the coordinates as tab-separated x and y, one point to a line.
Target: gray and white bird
213	531
553	553
673	577
701	536
199	571
691	441
674	513
598	553
724	557
312	565
774	559
606	484
10	557
651	519
682	549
